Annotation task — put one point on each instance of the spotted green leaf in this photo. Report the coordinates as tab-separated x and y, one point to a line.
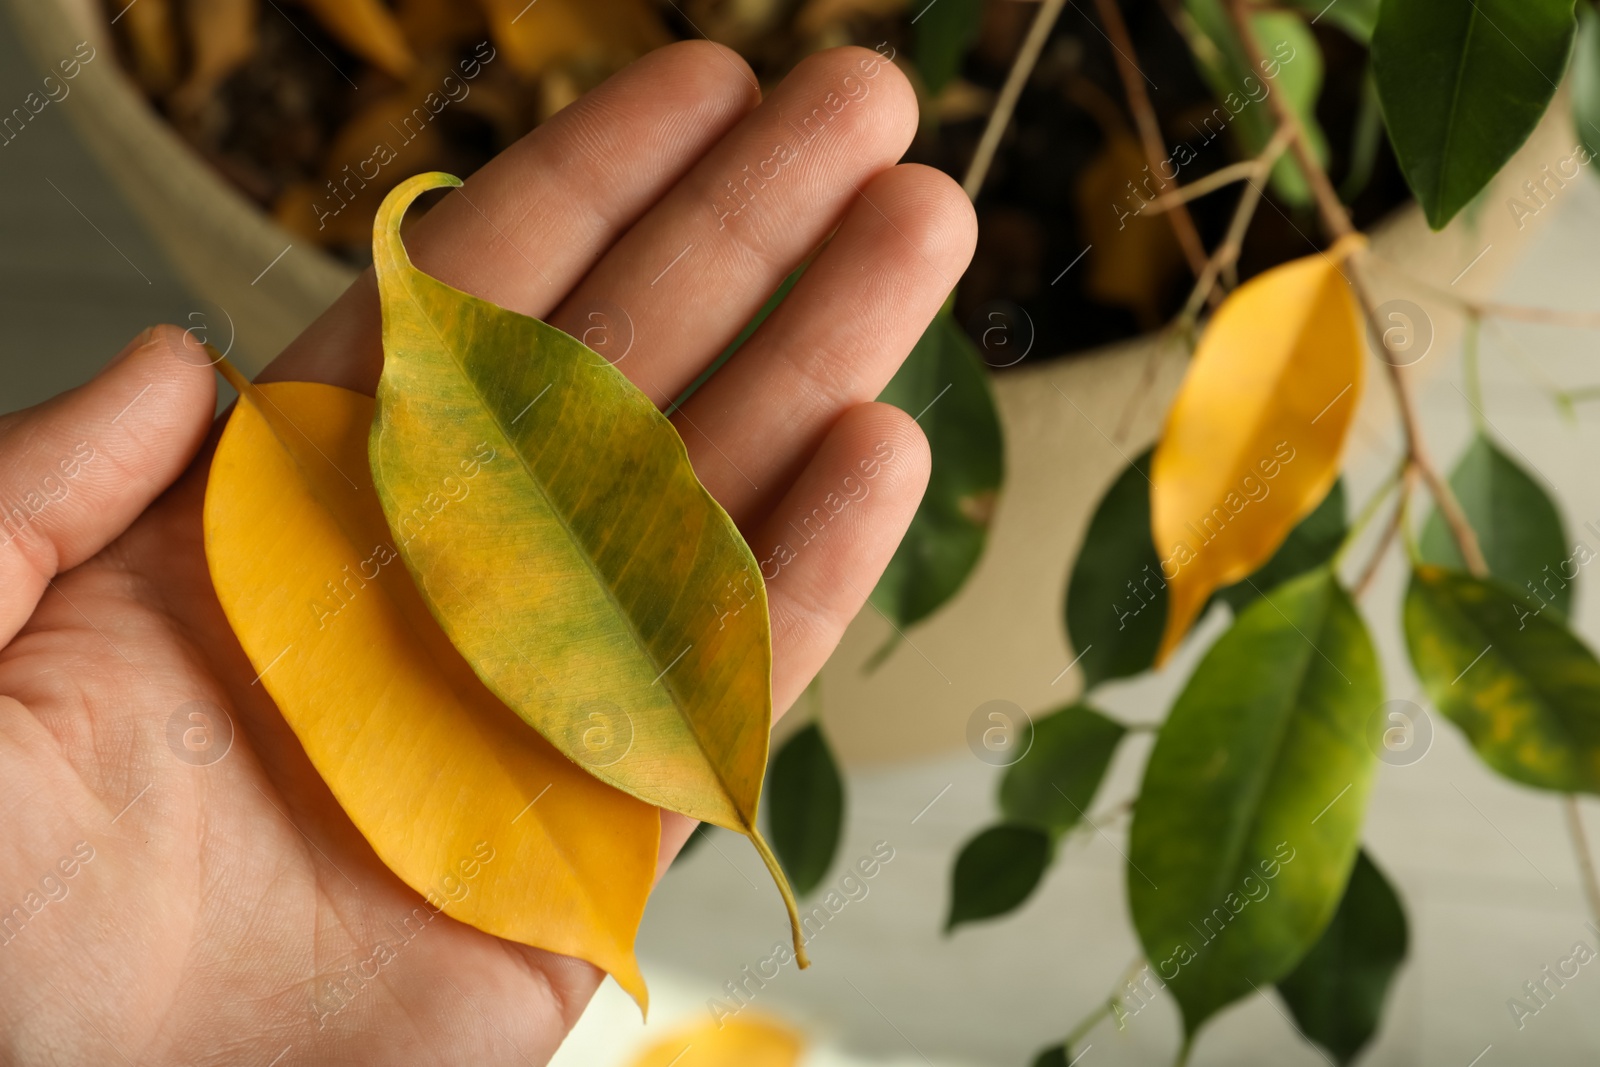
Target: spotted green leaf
945	386
1250	813
1524	690
585	574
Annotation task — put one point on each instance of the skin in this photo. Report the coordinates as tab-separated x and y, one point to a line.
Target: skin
219	894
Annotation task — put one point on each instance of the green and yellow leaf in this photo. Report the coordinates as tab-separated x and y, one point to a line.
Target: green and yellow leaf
1252	442
455	794
588	577
1518	683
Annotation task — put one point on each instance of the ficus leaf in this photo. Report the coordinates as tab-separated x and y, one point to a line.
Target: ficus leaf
1116	599
1250	813
1586	82
743	1040
1518	526
1337	992
588	578
1519	684
996	871
1052	785
943	385
1054	1056
455	794
1252	442
1463	85
1308	546
1293	67
805	807
944	32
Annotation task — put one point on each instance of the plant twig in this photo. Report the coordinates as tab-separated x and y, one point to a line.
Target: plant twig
1387	537
1144	118
1006	103
1580	849
1337	221
1488	309
1227	252
1233	172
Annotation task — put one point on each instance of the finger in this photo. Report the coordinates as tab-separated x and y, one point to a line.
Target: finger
826	545
699	265
526	227
835	341
78	469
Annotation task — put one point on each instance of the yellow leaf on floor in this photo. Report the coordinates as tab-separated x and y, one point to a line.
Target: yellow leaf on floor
1133	254
736	1042
536	35
1253	439
461	799
368	29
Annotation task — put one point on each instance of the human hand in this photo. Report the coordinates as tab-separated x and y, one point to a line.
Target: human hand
153	911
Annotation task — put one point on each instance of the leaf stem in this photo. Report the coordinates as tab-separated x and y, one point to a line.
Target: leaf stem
1469	371
1144	118
1580	850
1395	525
1006	103
775	869
1337	221
230	373
1108	1007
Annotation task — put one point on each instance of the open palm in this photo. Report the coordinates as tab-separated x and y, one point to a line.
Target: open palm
158	908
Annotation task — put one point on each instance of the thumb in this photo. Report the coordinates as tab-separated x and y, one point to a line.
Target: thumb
76	470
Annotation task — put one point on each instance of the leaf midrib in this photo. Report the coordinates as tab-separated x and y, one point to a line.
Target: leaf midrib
408	271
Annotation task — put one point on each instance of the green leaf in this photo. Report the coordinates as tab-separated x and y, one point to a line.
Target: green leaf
1337	992
1354	17
1308	546
1586	80
1463	85
805	807
996	871
1052	786
944	385
1518	526
1524	690
946	29
1116	597
587	576
1250	813
1054	1056
1293	66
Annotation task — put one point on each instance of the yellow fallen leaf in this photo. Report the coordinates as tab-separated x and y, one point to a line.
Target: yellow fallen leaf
222	35
1133	254
590	580
153	41
1252	442
535	35
735	1042
456	795
369	30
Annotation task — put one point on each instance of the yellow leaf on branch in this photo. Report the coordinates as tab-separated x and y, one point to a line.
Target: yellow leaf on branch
1253	439
457	796
590	579
733	1042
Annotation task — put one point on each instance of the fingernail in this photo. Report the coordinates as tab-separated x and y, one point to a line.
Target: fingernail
144	340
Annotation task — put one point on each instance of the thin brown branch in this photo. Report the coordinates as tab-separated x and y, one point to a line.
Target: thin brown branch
1233	172
1144	118
1227	252
1577	320
1337	222
1385	539
1006	103
1580	849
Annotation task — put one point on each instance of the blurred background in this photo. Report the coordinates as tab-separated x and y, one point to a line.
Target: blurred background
179	177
